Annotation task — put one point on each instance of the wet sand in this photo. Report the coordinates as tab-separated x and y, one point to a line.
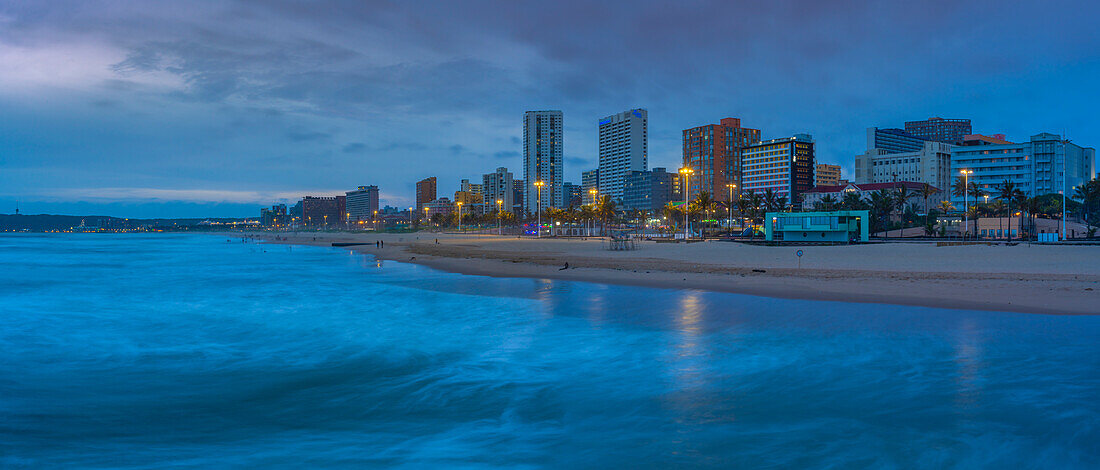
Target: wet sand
1021	278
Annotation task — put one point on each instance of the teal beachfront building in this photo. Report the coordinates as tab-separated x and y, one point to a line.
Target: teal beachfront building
829	227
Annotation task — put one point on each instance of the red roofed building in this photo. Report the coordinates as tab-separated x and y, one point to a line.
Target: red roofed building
813	196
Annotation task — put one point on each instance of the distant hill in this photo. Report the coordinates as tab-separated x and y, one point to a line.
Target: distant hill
51	222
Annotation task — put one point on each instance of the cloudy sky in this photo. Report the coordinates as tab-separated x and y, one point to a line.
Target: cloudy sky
195	108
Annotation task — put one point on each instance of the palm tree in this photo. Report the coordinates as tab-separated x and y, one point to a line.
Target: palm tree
927	191
671	211
771	200
958	189
1008	192
901	198
605	210
744	207
827	203
1089	194
853	202
881	202
704	203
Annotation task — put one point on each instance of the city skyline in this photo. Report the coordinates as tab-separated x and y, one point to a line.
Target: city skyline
216	109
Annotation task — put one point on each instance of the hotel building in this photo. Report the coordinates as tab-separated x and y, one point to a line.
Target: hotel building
713	152
1044	165
785	166
542	159
623	147
362	203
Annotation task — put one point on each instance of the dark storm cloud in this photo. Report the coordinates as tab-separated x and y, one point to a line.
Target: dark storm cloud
391	92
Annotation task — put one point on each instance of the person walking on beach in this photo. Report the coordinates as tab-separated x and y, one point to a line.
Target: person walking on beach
376	244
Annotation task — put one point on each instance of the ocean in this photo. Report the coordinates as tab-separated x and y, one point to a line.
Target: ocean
201	351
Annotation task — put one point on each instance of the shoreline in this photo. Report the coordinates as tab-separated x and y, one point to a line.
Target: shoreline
702	267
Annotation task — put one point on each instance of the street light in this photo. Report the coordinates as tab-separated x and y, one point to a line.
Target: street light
595	193
966	202
500	222
729	205
460	215
427	220
411	217
538	187
687	177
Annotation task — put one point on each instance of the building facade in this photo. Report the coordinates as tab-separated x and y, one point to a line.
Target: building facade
589	180
826	175
893	140
571	194
542	159
930	164
623	147
651	190
324	211
499	186
713	152
425	192
937	129
786	166
1045	164
362	203
441	206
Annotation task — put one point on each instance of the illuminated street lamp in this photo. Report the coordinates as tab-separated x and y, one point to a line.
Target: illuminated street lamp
500	221
538	185
966	202
687	177
460	215
729	206
595	193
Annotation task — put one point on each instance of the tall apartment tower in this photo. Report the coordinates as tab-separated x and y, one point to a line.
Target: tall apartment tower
542	159
623	148
937	129
425	192
713	151
498	186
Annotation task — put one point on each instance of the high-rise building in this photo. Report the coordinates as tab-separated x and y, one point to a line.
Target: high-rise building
713	152
651	190
324	211
275	216
937	129
425	192
1043	165
623	147
542	159
826	175
893	140
517	196
589	180
786	166
572	194
498	186
362	203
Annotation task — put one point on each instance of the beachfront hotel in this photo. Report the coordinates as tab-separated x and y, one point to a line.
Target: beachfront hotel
542	159
786	166
623	148
362	204
826	175
713	152
1045	164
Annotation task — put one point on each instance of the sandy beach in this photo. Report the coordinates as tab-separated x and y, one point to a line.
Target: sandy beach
1021	278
